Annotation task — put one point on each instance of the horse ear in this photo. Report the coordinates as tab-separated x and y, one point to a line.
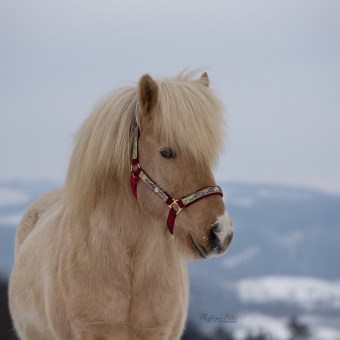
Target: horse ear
147	93
205	79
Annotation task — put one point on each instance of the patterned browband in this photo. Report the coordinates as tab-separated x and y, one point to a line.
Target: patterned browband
176	206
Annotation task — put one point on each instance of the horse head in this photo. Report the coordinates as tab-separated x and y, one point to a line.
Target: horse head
180	133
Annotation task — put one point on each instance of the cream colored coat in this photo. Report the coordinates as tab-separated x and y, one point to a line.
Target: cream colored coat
94	263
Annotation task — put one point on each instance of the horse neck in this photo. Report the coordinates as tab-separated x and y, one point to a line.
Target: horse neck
119	221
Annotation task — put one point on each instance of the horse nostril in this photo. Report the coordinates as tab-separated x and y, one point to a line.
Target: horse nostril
214	236
218	237
229	238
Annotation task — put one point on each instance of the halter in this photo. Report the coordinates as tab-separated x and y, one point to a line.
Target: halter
175	206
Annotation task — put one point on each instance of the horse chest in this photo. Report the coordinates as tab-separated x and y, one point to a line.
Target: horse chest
159	301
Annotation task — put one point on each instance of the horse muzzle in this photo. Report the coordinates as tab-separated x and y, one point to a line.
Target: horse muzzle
220	237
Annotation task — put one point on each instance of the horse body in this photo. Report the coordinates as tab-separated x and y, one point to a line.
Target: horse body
92	262
93	280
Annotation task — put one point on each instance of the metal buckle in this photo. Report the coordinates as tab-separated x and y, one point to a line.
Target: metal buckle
171	206
137	165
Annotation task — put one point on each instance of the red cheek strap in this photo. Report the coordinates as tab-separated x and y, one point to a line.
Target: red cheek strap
171	220
134	179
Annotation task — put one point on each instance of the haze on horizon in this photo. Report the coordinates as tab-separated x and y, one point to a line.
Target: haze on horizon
275	65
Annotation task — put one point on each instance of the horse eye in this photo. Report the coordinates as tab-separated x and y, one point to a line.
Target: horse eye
168	153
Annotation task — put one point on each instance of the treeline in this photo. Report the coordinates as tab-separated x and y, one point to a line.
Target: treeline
6	328
298	330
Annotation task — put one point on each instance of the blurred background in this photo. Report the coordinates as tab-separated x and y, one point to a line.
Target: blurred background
275	65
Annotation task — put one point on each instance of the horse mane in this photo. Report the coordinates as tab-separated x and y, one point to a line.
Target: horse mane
188	117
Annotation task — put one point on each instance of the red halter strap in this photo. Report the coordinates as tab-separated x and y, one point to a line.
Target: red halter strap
176	206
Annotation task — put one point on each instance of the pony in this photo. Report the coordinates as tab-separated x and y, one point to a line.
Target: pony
104	257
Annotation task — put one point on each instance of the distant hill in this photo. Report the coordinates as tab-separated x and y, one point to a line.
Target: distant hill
284	259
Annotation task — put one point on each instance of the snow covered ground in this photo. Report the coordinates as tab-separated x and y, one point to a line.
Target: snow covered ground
276	328
308	293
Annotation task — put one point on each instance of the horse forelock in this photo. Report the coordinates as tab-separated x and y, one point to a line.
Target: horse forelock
188	117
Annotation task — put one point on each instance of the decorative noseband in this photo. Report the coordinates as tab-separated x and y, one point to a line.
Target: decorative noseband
176	206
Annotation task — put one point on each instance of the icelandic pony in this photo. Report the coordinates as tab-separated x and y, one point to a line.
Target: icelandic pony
95	259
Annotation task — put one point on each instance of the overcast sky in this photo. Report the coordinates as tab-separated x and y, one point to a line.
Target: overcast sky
275	65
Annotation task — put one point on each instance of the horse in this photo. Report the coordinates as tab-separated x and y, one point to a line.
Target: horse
105	256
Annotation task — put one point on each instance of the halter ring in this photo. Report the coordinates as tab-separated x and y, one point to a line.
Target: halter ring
175	202
137	165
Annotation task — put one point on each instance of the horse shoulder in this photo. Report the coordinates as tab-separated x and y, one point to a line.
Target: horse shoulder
39	207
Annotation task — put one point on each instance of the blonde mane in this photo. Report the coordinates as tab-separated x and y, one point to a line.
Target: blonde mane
189	117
